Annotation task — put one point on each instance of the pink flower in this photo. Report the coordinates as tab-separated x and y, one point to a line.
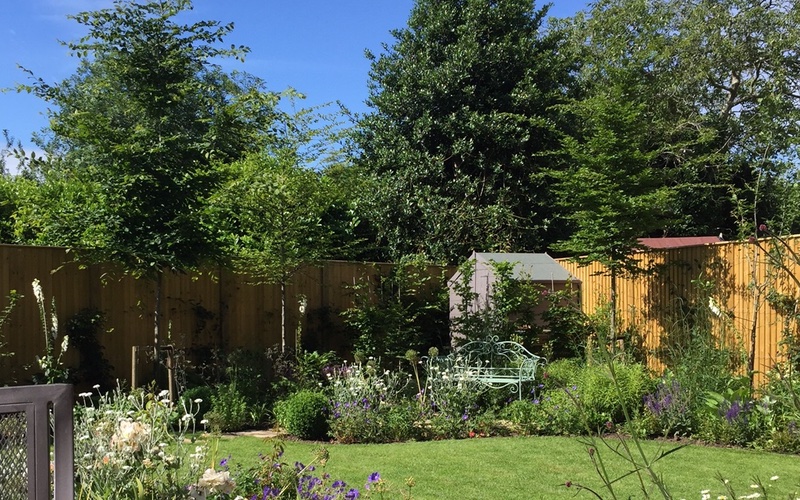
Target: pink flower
762	228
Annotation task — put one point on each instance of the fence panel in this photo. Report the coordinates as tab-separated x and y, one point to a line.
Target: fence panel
726	284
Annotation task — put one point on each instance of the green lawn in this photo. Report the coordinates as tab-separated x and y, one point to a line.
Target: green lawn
531	468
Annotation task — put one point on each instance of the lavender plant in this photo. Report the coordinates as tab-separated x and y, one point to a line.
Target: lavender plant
368	405
668	408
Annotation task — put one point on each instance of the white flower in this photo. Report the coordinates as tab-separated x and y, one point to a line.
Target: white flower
130	435
37	291
96	386
216	481
774	478
204	422
198	401
85	395
752	495
163	393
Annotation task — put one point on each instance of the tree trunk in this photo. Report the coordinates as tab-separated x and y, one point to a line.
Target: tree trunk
283	316
157	313
612	317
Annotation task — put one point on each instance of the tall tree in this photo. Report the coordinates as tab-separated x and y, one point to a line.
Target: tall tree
138	128
276	208
614	190
723	75
461	112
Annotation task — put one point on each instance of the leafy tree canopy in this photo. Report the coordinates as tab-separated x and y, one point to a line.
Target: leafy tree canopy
135	134
718	82
461	112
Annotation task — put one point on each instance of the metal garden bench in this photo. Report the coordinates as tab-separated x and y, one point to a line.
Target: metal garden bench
496	363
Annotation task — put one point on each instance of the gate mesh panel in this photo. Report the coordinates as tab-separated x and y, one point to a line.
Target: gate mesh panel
13	456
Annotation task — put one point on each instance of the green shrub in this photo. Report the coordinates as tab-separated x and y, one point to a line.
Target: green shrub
561	372
247	369
599	397
575	395
303	414
555	413
228	409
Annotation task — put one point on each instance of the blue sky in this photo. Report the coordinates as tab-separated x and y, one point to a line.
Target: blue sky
314	46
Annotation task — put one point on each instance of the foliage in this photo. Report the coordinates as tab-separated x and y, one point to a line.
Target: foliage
50	364
576	398
303	414
137	445
508	312
566	322
247	369
669	407
145	161
719	93
614	191
198	398
407	309
449	402
272	477
135	135
229	410
367	405
462	108
606	391
9	203
126	446
82	330
13	297
270	210
291	371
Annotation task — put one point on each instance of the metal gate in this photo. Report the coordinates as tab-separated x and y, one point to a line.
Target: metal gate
32	418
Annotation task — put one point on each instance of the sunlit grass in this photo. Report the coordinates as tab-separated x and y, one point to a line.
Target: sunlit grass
530	468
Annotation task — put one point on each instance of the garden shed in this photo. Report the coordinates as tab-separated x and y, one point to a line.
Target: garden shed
538	268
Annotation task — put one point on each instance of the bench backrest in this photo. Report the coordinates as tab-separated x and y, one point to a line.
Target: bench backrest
494	353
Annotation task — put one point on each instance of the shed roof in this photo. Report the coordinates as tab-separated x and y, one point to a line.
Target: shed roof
531	266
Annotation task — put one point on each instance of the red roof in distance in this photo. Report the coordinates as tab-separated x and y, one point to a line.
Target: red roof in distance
677	242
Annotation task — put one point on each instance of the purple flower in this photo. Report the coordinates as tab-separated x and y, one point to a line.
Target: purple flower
352	494
373	478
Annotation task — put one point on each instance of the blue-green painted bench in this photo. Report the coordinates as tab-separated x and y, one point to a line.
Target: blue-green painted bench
496	363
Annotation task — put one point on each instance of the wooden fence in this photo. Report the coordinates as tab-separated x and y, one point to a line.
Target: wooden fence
723	286
217	309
